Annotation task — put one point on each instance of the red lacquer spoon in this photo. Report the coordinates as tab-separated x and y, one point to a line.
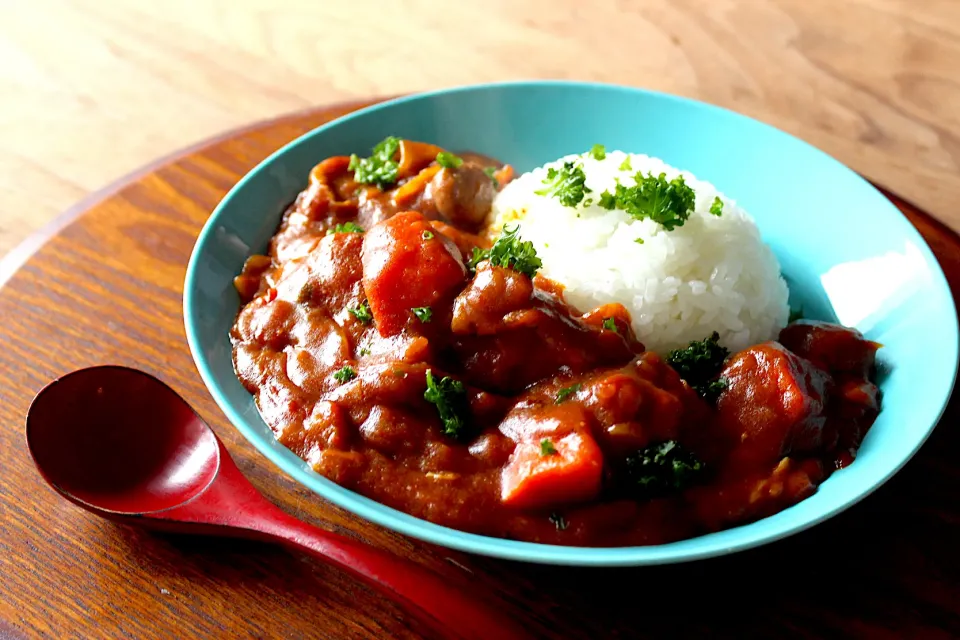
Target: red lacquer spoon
123	445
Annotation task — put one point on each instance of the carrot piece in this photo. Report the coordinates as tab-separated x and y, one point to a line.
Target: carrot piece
409	190
407	264
327	170
538	475
504	175
414	156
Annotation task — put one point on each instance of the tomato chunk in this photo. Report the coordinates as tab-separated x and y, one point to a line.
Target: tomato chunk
569	470
407	264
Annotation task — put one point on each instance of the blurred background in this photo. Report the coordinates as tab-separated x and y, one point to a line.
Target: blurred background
90	90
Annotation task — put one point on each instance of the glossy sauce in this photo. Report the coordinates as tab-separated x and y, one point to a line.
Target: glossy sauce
794	410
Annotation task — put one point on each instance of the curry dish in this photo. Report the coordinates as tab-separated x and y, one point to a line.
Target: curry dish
409	353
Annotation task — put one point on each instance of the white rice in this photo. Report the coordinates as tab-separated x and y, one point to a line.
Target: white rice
714	273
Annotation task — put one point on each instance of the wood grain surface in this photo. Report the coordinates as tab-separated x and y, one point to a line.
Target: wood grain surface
106	288
94	88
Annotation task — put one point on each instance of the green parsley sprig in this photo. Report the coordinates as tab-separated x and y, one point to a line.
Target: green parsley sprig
362	312
450	398
699	363
380	168
661	469
346	227
666	202
566	184
448	160
346	374
510	252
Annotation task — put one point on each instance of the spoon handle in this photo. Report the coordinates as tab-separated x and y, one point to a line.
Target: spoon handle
420	590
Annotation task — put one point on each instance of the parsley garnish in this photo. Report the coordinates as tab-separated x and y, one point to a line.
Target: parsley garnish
424	314
667	203
625	165
362	312
610	325
490	171
710	391
380	168
559	521
567	184
566	392
346	374
699	363
448	161
661	469
510	252
547	448
607	201
598	151
450	398
427	235
363	351
639	240
717	207
479	255
346	227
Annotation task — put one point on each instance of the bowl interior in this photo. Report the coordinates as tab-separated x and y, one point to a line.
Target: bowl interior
847	253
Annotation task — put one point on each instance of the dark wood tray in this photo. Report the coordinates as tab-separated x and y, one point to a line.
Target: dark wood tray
103	285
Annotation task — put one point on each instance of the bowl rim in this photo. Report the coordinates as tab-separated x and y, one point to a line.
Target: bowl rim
398	521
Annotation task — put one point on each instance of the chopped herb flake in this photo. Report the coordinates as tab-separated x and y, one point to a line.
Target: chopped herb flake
566	392
363	351
427	235
717	207
566	184
598	151
491	173
346	374
639	240
380	168
661	469
449	161
362	312
346	227
699	365
424	314
450	398
625	165
547	448
510	252
607	201
610	325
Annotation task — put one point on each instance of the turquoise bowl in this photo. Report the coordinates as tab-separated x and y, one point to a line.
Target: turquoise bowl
848	254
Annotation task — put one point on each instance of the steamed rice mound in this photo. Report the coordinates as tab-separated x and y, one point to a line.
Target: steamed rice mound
714	273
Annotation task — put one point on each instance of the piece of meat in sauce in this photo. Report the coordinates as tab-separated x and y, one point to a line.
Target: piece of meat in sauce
507	334
851	359
773	405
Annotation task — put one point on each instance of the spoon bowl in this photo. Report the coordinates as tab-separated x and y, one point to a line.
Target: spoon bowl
131	445
124	445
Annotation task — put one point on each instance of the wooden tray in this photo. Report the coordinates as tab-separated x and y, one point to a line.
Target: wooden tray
103	285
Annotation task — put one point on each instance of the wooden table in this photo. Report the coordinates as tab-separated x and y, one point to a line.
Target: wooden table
105	288
92	89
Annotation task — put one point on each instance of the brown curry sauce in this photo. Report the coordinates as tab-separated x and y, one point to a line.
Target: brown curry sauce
794	410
